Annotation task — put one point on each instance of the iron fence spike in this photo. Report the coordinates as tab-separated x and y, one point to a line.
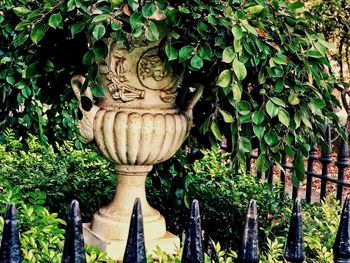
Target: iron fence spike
10	251
193	247
341	247
249	252
73	251
135	251
294	248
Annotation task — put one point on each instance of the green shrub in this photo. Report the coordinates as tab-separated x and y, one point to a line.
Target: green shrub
63	174
264	67
223	196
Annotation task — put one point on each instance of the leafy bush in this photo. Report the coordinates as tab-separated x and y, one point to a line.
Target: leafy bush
263	64
223	196
63	175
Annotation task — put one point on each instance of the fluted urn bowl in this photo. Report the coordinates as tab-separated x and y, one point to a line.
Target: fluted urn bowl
140	138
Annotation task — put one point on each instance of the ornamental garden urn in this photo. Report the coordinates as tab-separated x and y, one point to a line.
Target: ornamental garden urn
135	125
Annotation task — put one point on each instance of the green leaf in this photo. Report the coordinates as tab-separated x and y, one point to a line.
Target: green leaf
278	101
37	33
271	138
100	18
258	117
196	62
215	129
97	90
296	5
259	131
283	117
255	9
149	9
88	58
243	107
227	116
136	20
299	167
297	119
237	32
271	109
239	70
77	28
151	31
48	66
99	31
237	92
224	78
171	52
20	10
228	55
55	20
204	51
100	50
185	52
262	163
245	145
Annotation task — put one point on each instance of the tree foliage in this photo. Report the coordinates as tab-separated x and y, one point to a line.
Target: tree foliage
264	67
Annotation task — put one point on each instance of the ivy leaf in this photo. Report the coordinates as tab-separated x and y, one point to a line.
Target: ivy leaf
171	52
271	109
77	28
258	117
262	163
97	90
99	31
278	101
204	51
215	129
185	52
100	18
136	20
196	62
55	21
224	78
245	145
37	33
239	70
149	9
151	31
227	116
296	5
237	32
255	9
228	55
259	131
237	92
283	117
299	167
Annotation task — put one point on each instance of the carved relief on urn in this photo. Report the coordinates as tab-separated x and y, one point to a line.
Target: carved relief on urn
135	125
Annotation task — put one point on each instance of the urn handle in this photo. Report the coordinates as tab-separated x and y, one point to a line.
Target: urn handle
86	124
195	98
76	82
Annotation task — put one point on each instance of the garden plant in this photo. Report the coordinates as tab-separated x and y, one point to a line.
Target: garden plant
265	69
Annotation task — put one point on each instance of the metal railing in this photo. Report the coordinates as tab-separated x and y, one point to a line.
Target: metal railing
10	251
325	159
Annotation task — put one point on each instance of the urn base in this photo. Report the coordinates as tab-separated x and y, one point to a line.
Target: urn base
115	248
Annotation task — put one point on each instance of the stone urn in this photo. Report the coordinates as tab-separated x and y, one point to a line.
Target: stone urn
135	125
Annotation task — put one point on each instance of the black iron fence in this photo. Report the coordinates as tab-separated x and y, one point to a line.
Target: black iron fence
325	159
10	251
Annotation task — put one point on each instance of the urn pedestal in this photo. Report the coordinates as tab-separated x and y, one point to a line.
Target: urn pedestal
135	125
